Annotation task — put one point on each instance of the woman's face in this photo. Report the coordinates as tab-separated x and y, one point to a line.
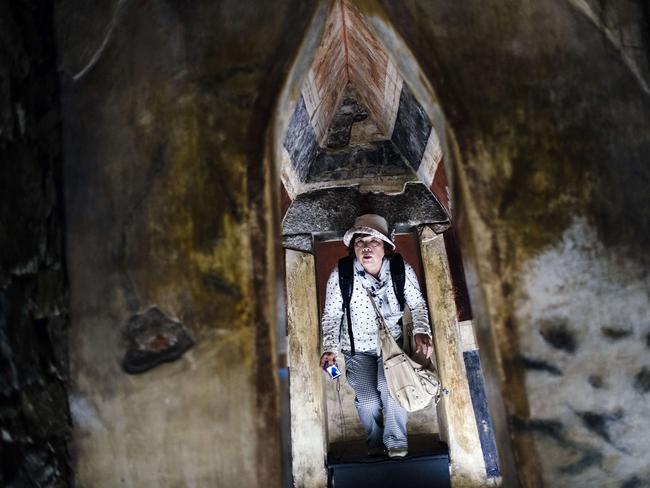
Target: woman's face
369	252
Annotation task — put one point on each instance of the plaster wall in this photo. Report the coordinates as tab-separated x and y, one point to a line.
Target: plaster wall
589	348
165	108
169	203
550	180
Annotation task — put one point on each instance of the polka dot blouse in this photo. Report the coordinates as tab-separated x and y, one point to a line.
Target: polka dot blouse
364	326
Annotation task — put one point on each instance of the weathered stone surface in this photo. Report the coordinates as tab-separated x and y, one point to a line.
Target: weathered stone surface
599	423
308	413
299	242
539	74
632	482
167	109
412	128
153	338
551	187
615	333
337	161
609	366
456	419
558	335
642	380
350	111
334	210
375	160
328	73
577	457
169	198
596	381
350	77
300	141
35	426
624	25
539	365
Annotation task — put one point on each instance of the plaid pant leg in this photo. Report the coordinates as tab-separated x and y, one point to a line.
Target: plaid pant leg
361	374
395	416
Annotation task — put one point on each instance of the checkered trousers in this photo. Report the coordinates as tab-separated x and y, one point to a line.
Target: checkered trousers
365	374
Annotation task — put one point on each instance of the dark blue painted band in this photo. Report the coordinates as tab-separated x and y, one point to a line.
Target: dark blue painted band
300	141
283	373
412	128
481	412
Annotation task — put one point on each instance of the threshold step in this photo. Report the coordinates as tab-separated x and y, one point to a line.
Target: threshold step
426	465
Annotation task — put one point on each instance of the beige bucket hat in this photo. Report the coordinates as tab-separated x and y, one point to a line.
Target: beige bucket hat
369	224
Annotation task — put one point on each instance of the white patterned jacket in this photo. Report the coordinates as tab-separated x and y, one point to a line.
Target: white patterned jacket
364	325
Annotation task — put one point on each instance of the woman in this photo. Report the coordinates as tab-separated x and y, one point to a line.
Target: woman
368	241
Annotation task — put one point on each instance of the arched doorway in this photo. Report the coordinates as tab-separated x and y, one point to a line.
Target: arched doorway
354	133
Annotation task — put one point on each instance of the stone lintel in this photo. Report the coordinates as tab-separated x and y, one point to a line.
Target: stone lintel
332	211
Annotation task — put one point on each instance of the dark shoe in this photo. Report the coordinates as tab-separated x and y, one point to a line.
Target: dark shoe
376	451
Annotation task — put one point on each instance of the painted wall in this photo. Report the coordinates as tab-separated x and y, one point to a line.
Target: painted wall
168	204
549	166
165	108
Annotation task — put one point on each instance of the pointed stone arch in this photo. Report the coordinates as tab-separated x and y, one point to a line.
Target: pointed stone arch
390	87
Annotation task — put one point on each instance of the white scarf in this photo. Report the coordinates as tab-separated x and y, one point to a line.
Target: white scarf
378	287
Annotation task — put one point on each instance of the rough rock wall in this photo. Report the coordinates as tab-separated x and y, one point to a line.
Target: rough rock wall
165	108
34	415
552	125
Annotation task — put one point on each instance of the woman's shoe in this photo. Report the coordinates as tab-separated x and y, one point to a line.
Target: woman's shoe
376	451
398	452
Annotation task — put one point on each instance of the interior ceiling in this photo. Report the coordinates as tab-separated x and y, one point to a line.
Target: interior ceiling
351	56
356	121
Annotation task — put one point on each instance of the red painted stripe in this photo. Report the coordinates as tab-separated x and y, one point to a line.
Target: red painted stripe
345	41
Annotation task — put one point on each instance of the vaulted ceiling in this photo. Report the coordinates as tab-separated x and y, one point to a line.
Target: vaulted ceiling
357	124
357	121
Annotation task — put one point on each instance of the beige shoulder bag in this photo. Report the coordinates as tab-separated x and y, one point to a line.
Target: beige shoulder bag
413	386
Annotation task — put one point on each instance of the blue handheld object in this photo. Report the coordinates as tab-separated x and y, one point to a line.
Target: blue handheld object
333	371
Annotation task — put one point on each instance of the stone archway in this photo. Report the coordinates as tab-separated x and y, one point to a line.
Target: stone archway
388	159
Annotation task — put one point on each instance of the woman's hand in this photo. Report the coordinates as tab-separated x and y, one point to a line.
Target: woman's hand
422	345
327	359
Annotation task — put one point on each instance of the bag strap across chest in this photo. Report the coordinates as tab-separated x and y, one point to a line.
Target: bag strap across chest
346	284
